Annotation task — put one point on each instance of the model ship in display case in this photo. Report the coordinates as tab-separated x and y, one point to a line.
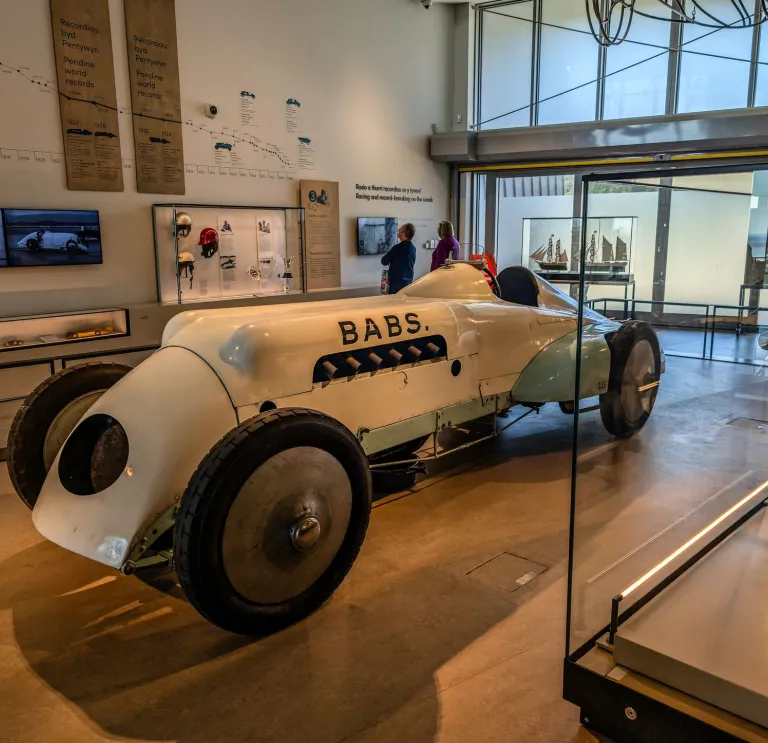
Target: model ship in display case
613	259
551	258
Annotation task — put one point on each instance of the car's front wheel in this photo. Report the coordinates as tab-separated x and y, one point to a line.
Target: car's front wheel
48	416
272	520
71	247
634	379
33	244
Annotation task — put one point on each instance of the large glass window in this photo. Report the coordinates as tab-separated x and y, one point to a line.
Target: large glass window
640	89
568	60
505	80
710	83
761	89
568	79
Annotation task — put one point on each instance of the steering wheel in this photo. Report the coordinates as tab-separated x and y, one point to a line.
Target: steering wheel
492	282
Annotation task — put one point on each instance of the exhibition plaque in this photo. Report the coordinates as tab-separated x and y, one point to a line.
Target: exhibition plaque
320	200
85	74
153	62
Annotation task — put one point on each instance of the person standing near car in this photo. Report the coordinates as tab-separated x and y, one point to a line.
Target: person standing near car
448	247
401	259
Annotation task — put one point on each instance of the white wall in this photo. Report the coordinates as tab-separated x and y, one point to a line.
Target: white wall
644	206
372	76
707	247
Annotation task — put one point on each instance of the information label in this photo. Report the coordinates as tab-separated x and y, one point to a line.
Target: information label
153	62
85	73
320	200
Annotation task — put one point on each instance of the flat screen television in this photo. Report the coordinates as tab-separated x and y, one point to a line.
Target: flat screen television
3	252
376	235
48	237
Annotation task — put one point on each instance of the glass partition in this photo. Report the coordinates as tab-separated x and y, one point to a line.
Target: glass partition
672	453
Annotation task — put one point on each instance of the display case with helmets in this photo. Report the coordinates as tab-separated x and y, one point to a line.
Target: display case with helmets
207	253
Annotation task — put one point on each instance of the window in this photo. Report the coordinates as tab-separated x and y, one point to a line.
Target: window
710	83
761	89
640	90
505	80
568	60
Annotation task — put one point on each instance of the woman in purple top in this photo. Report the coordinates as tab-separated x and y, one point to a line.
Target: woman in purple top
448	247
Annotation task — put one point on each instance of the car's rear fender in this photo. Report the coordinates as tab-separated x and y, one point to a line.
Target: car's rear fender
551	375
173	408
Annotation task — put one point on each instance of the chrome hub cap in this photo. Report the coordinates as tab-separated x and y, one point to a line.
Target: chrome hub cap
305	533
286	525
638	388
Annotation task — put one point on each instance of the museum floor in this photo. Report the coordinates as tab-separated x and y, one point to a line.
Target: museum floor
429	639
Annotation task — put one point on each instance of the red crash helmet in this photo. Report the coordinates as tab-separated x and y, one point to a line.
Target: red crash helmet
209	240
208	235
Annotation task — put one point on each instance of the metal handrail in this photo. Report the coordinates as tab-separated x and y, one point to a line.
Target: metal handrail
710	314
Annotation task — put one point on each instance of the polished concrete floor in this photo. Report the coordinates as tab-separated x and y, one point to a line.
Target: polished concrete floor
429	639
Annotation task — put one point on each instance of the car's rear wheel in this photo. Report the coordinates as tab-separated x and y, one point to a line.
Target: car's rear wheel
634	379
71	247
33	244
48	416
272	520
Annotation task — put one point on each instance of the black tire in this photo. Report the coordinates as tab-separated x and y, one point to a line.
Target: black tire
200	528
27	438
33	245
71	247
624	408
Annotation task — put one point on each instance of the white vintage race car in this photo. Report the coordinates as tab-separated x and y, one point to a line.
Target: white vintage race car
241	451
46	240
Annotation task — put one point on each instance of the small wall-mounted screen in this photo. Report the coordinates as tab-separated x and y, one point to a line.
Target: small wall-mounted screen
3	253
376	235
45	237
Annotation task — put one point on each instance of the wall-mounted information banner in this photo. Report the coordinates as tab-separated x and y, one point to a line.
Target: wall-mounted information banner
153	62
320	200
85	73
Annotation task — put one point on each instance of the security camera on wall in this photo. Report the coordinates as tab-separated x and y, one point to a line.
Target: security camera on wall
427	4
211	111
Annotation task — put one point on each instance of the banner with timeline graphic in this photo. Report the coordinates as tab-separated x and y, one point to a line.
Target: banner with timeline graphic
153	63
85	73
320	200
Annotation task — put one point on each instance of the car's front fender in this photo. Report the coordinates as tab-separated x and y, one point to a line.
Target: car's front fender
173	408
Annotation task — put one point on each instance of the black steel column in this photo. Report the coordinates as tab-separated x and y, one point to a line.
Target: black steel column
576	228
491	214
662	246
673	68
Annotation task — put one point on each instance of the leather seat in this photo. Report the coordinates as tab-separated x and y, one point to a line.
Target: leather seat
518	285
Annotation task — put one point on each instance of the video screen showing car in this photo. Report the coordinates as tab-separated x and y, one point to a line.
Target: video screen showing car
3	253
376	235
37	237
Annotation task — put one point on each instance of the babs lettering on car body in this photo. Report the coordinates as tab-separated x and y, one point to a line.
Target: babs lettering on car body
350	335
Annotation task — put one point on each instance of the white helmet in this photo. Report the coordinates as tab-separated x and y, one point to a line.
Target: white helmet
183	224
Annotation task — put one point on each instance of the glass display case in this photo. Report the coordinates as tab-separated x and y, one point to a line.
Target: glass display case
206	253
547	244
69	327
669	532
